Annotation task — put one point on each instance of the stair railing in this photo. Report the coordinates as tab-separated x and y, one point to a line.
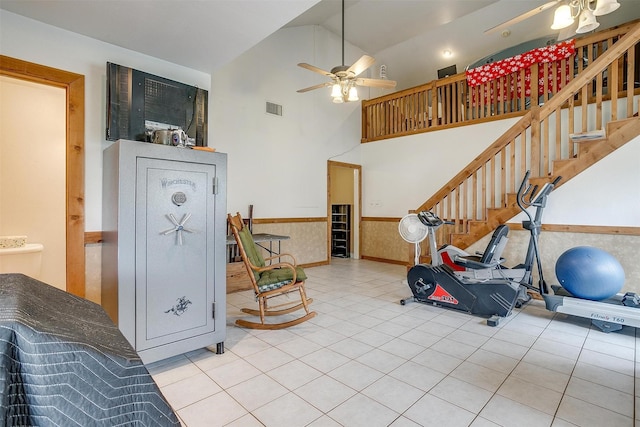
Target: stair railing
540	138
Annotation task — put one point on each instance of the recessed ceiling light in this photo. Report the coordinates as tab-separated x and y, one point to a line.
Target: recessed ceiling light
447	53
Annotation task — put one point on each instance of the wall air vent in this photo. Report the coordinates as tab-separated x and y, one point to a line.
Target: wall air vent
274	108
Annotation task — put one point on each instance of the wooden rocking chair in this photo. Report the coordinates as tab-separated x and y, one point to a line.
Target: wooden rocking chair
270	281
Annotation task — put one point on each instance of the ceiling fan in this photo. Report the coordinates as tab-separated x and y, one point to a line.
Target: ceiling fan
344	79
522	17
565	14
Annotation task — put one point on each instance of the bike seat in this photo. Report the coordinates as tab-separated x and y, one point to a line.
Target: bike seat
491	257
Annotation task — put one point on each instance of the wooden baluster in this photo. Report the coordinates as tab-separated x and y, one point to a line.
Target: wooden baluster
571	123
503	175
456	216
631	79
483	99
465	201
559	134
435	99
483	192
546	74
613	81
598	89
535	141
544	142
584	107
522	87
491	182
523	156
512	168
474	194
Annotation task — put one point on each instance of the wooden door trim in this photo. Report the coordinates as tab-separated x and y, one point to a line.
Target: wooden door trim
74	86
357	215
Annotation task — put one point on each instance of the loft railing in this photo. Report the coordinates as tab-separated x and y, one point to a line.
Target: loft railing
450	102
540	140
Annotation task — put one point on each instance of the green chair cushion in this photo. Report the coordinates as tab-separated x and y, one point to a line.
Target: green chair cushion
251	250
278	277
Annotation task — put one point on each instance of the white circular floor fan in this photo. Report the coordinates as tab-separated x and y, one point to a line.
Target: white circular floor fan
413	231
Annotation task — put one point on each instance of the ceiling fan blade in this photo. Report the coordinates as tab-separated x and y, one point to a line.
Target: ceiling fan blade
315	69
318	86
522	17
376	83
361	64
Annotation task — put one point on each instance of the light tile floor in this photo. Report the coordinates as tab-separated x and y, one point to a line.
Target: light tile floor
366	360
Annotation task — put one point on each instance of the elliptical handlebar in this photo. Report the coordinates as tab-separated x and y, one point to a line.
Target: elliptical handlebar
522	193
535	199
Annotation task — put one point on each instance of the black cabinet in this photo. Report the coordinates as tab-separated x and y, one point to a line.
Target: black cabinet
340	230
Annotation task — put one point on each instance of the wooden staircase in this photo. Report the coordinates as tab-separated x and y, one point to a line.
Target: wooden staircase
482	195
589	152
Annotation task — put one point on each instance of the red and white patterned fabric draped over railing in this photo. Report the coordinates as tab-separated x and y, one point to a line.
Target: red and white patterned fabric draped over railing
496	70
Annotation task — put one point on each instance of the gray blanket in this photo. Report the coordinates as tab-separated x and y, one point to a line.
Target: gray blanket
63	362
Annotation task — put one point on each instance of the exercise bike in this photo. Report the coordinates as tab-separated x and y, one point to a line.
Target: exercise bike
608	315
438	284
488	264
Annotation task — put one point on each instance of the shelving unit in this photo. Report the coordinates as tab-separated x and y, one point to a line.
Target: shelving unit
340	230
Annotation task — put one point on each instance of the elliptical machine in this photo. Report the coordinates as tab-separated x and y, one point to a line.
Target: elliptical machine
490	263
437	284
608	315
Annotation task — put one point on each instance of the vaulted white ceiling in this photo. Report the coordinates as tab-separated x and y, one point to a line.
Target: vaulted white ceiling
407	35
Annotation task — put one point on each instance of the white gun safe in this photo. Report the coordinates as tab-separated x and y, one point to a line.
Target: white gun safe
164	242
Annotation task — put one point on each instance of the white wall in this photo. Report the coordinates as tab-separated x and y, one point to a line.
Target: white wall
32	41
400	174
278	164
606	194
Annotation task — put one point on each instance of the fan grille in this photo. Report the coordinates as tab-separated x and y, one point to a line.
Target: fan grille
412	229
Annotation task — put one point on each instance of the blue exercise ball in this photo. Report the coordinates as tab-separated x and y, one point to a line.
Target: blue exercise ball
590	273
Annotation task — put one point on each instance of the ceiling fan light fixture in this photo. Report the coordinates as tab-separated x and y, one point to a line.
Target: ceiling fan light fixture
586	12
604	7
353	94
336	90
587	22
562	17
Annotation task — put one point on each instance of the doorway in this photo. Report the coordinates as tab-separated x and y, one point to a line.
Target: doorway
73	84
344	187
